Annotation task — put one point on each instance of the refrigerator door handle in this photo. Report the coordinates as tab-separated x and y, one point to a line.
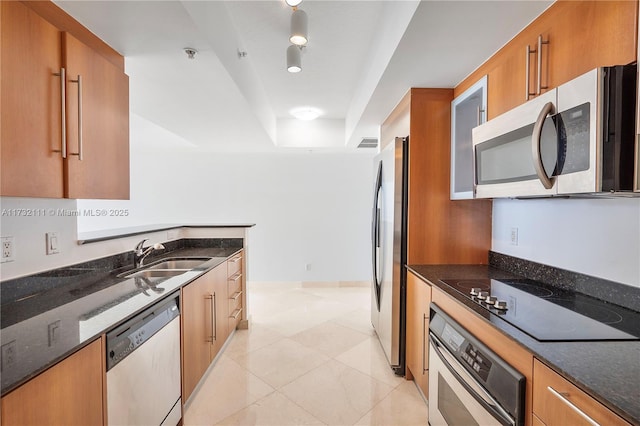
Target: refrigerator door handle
375	237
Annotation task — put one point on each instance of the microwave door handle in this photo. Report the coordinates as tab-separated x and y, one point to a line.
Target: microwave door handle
535	145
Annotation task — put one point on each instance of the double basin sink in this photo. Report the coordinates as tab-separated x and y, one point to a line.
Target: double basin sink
166	268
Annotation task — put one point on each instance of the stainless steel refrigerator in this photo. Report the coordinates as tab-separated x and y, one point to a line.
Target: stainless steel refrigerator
389	251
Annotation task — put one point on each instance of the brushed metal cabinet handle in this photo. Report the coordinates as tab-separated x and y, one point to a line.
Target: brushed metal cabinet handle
79	153
235	295
215	314
539	86
424	344
527	92
563	398
236	313
209	297
63	111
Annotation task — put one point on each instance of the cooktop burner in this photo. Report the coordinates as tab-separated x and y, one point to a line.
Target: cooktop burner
548	313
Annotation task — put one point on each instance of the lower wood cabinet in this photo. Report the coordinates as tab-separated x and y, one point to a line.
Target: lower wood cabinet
418	300
236	289
69	393
205	325
558	402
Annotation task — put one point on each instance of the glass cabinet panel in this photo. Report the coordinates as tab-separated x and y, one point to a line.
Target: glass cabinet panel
467	111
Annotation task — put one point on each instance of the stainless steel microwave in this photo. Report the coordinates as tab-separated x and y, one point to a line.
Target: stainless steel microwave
576	139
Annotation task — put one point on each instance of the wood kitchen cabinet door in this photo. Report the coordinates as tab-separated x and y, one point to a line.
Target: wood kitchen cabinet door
31	114
585	35
581	35
69	393
418	300
97	124
40	116
221	303
196	332
204	316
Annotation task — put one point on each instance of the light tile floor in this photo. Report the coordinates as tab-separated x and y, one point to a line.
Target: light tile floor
310	357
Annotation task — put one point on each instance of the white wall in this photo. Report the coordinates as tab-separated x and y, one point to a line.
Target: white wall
309	207
594	237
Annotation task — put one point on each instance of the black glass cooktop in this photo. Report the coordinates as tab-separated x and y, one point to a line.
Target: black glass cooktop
548	313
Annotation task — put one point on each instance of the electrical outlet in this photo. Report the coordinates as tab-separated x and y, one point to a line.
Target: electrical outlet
514	236
53	331
307	267
8	249
8	355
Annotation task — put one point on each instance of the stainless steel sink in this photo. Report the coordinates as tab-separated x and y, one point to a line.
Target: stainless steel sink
168	267
157	273
178	263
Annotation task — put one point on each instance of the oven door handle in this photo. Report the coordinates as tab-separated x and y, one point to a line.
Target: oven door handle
470	383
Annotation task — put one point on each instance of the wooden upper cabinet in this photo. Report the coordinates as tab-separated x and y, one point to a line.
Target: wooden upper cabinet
69	393
586	35
98	91
31	105
439	230
35	134
581	36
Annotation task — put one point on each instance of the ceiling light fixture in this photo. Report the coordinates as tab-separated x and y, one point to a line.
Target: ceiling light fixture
294	60
299	27
293	3
306	113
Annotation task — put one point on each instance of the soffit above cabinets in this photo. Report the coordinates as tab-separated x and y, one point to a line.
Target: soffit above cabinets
361	58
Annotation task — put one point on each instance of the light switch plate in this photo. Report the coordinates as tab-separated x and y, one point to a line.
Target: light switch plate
53	243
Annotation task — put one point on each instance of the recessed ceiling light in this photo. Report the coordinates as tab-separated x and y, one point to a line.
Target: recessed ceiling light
293	3
306	113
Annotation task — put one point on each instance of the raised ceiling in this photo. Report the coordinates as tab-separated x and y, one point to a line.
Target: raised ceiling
361	58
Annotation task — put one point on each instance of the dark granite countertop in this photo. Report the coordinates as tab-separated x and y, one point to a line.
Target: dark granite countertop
47	316
608	371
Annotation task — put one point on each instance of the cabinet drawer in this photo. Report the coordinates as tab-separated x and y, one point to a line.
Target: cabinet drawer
235	317
235	301
235	283
234	265
558	402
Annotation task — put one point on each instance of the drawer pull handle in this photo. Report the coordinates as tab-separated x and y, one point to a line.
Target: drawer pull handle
236	277
236	259
563	397
236	295
236	313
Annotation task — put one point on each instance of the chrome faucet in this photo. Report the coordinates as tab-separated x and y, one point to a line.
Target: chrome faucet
139	253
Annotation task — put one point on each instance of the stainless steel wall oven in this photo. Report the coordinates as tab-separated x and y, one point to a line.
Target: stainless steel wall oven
468	383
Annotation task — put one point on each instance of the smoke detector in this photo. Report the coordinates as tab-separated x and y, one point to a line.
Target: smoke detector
191	52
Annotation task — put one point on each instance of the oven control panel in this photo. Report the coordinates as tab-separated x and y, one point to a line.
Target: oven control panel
478	361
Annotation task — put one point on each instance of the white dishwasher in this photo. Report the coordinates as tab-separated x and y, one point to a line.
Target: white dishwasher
143	368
